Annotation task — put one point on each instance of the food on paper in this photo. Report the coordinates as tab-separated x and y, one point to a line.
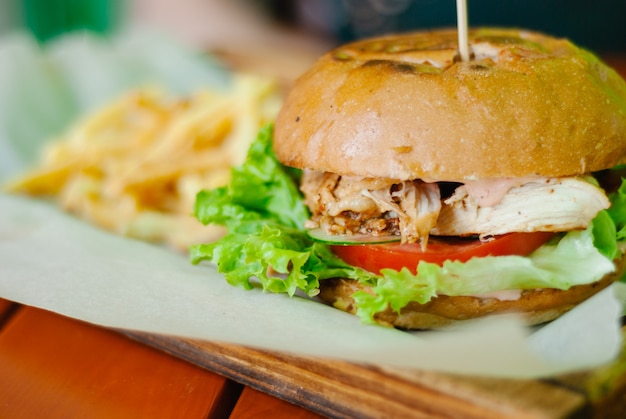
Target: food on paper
135	165
418	190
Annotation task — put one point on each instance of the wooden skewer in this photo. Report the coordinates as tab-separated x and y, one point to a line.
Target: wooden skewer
461	21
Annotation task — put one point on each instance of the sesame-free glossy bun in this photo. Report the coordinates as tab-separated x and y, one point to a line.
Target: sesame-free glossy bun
405	107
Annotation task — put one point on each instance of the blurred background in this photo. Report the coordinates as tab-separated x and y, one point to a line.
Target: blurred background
599	25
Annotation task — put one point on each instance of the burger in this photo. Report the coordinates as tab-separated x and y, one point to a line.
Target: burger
418	190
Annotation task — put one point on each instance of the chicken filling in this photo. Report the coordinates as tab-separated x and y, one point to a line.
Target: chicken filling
415	209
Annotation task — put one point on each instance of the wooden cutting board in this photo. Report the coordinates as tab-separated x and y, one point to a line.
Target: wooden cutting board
341	389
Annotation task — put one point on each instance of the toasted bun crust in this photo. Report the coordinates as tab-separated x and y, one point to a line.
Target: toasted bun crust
404	107
536	306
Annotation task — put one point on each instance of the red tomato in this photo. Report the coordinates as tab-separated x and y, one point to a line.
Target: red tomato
374	257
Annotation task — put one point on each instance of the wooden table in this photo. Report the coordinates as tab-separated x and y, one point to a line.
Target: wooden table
52	366
55	367
63	368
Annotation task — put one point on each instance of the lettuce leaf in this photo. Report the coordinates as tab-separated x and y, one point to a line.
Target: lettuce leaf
561	264
264	214
266	242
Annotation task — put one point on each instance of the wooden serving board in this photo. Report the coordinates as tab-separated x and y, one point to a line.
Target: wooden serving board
340	389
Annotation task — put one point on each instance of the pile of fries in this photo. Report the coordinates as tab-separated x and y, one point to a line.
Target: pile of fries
135	166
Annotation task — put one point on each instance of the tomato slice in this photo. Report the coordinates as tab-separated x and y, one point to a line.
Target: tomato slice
396	256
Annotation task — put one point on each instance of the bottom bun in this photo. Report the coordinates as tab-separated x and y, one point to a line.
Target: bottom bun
535	306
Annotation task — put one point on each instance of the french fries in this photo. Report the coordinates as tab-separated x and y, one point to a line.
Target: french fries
135	166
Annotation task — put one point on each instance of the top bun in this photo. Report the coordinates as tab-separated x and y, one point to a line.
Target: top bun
406	107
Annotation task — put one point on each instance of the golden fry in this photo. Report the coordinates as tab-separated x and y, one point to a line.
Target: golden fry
135	166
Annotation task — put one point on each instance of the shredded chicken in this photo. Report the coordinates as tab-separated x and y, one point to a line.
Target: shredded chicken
354	205
416	204
415	209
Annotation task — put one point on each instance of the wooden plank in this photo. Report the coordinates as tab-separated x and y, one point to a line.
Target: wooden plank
343	390
254	404
67	368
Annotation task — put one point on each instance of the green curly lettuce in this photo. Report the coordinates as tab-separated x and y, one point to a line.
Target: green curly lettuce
264	214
